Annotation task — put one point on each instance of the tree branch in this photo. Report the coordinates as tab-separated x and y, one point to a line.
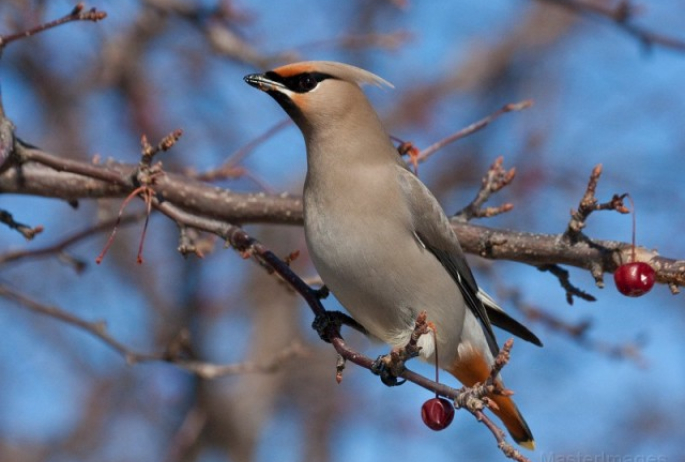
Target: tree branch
73	180
78	13
622	14
420	156
98	329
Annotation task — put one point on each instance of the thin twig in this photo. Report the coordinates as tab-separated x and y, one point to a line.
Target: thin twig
25	230
622	14
166	143
507	449
146	176
565	281
574	232
495	179
59	247
211	371
501	360
474	127
229	167
589	204
77	14
98	329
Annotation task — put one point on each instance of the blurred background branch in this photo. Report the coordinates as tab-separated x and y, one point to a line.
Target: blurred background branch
83	95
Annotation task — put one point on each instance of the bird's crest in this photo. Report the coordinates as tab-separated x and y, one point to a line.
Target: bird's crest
337	70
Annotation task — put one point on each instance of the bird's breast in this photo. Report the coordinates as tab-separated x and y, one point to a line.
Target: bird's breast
363	246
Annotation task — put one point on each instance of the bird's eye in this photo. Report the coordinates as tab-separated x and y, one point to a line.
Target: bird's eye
306	82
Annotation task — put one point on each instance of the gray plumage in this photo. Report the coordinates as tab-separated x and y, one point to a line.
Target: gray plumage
377	236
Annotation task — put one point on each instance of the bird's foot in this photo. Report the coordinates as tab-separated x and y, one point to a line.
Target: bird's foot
389	367
336	318
388	370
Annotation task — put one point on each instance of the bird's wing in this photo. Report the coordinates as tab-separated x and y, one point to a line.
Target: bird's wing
501	319
434	231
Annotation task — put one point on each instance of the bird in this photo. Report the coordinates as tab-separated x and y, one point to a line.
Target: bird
377	236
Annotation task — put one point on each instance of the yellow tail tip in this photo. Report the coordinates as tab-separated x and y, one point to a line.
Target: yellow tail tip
530	444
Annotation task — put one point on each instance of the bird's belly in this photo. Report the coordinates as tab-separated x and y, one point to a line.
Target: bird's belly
384	279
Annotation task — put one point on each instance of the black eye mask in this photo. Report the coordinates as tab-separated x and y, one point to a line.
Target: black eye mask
300	83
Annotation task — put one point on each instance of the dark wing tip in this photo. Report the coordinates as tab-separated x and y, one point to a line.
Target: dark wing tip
506	322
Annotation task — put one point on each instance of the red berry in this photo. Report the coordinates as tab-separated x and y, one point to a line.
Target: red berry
437	413
634	279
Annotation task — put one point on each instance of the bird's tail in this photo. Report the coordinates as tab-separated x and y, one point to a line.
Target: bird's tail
476	369
512	419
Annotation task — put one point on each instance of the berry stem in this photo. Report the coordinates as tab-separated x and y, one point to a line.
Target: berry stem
632	207
437	368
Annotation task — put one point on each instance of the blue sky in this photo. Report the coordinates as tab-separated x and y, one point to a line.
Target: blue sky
599	98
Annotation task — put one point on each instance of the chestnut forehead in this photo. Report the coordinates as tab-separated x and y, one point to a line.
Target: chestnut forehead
291	70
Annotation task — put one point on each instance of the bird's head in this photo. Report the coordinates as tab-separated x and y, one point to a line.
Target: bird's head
318	94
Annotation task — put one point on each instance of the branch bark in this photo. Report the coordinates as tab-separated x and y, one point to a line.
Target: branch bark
44	174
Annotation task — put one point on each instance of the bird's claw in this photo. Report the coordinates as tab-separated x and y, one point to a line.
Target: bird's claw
388	368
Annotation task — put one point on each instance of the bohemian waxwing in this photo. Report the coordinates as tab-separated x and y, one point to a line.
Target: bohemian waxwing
378	238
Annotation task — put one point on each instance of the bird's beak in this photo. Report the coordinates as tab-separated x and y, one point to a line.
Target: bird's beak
263	83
